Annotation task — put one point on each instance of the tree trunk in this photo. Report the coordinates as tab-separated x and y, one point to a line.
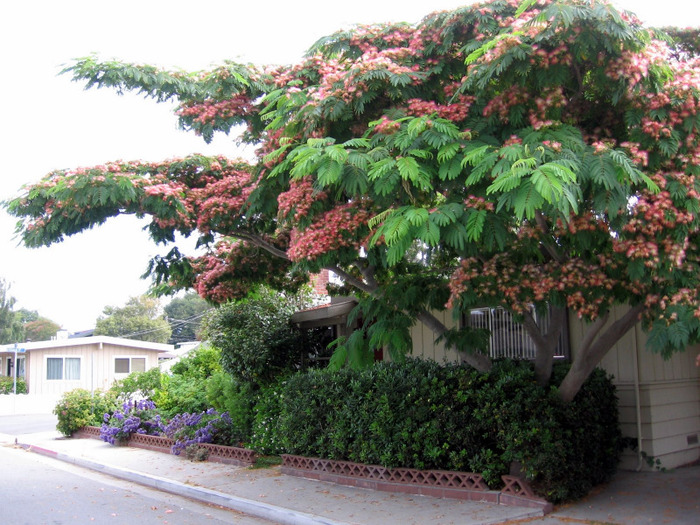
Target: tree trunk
545	344
597	342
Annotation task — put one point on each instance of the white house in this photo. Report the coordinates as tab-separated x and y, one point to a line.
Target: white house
51	368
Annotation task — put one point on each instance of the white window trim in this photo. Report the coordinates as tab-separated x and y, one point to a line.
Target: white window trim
63	369
131	366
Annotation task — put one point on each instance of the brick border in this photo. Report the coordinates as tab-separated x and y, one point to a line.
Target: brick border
241	457
435	483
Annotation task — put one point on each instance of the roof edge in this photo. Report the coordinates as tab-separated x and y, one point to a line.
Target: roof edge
82	341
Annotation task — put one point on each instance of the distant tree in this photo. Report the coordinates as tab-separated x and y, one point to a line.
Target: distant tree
11	328
41	329
185	317
26	316
140	318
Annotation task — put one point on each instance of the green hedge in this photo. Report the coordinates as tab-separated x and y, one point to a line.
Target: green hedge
7	385
423	415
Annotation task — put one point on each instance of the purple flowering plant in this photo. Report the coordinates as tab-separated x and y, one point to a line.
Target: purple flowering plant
135	417
203	427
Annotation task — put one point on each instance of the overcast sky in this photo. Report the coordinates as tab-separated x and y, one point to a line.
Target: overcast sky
49	122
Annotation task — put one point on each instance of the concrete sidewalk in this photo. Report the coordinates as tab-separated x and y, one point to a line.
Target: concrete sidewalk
632	498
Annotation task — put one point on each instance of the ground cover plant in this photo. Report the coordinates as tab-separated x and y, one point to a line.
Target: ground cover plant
134	417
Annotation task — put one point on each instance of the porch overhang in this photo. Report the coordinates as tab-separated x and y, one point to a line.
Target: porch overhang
325	315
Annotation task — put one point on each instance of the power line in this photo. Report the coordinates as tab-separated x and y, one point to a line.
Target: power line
178	322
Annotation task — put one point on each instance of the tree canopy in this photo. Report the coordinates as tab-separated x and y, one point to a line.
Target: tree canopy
534	154
22	325
40	329
140	318
185	317
11	328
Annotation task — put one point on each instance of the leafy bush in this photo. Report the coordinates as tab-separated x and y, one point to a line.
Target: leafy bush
179	394
7	385
184	390
79	408
236	398
192	429
138	385
201	361
266	437
255	336
135	417
423	415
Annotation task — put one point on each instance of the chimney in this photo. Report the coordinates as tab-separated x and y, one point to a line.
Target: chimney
319	282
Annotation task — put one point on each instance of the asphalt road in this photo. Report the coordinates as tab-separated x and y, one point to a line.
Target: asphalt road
35	490
27	424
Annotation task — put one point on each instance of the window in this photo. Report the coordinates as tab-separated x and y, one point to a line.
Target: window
67	368
508	338
126	365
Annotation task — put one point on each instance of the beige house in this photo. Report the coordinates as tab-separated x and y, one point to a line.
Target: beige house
659	399
51	368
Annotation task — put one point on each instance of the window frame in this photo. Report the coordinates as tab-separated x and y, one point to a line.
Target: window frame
130	359
497	319
64	371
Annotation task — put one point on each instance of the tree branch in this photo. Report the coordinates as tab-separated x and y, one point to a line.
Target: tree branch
593	331
479	361
545	344
541	222
614	332
260	242
368	272
370	288
589	356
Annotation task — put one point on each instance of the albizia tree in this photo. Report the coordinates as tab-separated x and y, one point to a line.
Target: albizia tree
535	155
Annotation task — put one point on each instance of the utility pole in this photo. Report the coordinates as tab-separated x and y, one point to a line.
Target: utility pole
14	368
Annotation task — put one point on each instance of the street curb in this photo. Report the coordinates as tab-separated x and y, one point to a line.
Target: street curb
253	508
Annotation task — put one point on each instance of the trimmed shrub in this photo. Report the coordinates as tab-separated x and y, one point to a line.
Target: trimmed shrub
79	408
266	437
423	415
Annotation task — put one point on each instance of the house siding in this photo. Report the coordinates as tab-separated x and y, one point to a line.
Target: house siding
96	363
96	355
669	396
424	344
